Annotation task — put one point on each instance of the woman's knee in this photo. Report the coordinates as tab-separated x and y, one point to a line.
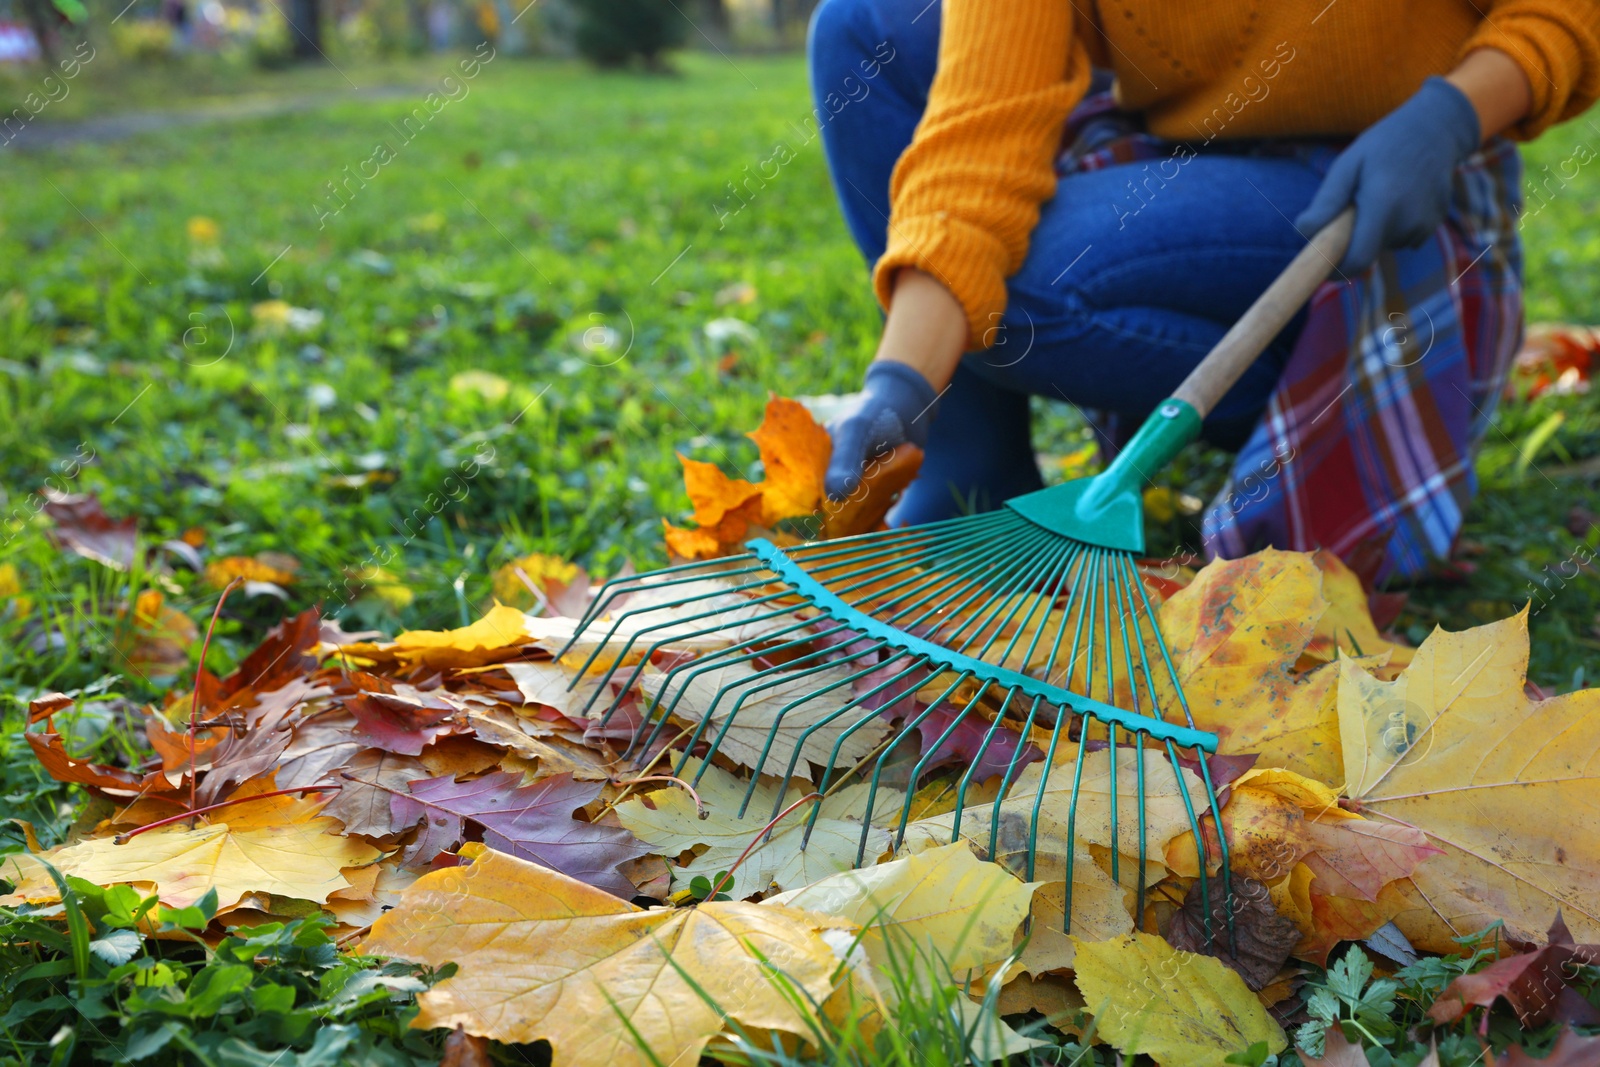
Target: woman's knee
860	39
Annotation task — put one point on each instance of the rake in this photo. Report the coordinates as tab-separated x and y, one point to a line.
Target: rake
1026	624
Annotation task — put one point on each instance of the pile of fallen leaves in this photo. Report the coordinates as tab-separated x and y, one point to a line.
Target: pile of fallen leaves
463	797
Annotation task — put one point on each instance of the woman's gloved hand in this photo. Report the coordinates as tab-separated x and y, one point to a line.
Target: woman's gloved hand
895	405
1398	174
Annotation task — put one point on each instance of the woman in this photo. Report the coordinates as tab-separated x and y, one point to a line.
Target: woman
1075	198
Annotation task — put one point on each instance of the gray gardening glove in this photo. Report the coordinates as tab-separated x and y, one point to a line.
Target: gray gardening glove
1398	174
896	404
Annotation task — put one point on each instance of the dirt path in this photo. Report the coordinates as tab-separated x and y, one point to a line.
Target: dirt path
40	135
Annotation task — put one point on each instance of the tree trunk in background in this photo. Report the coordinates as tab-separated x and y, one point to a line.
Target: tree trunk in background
41	20
305	28
715	22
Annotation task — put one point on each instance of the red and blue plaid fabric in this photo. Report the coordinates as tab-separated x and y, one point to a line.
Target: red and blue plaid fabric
1366	447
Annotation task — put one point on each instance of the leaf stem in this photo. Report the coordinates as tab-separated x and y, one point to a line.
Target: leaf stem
699	805
727	875
123	839
194	703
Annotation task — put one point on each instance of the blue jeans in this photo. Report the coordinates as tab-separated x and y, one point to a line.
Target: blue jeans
1127	284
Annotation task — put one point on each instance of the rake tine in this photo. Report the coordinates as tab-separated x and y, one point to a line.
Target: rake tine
916	771
833	756
757	683
877	773
1125	604
597	605
1018	577
1063	568
1205	772
916	663
671	637
628	645
931	582
1072	828
712	660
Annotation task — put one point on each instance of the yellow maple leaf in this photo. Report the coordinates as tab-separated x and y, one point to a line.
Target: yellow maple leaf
794	454
941	904
1508	787
1235	634
541	955
298	859
1177	1007
490	639
938	914
1347	625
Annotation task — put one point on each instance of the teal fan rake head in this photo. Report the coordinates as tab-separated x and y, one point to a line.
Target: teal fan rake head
1022	640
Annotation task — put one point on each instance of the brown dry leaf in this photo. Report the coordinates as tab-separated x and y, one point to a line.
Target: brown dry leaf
1507	786
1235	634
548	683
1053	996
368	783
82	526
545	956
455	756
538	757
1337	1052
1100	910
1259	942
52	755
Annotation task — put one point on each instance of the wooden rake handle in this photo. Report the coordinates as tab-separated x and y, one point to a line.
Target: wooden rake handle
1272	310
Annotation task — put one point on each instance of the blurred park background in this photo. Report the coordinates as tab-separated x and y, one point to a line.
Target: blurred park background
378	303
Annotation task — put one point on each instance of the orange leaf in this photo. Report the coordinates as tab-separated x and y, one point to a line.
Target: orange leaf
713	493
1336	919
690	544
794	452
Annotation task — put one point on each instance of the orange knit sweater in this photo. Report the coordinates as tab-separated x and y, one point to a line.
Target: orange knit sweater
966	193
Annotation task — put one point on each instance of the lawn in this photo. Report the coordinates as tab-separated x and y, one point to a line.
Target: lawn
404	368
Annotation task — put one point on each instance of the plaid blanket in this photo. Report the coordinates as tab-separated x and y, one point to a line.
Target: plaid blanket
1366	447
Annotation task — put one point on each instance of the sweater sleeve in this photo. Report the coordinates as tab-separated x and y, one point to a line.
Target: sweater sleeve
1557	44
965	195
